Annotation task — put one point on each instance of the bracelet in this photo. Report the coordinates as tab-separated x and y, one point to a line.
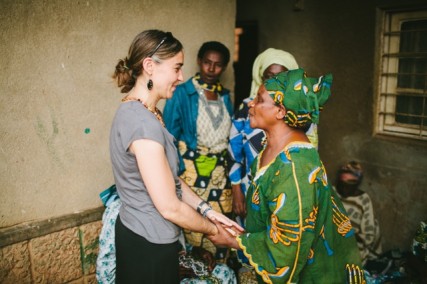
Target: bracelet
199	207
206	211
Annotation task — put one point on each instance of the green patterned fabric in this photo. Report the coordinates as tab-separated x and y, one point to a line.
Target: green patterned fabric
303	97
297	228
206	174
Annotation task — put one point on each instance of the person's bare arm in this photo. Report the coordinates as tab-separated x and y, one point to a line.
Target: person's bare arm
239	205
193	200
157	176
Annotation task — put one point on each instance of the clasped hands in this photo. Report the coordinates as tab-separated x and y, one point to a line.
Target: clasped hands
227	232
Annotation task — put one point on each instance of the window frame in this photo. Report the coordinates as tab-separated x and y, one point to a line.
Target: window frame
387	61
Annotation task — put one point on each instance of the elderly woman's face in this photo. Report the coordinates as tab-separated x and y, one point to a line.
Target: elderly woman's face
262	110
272	71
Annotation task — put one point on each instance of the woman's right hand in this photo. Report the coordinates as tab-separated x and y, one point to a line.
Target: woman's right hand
223	238
231	226
239	204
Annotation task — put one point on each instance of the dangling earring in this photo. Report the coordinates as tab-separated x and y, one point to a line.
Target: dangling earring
150	84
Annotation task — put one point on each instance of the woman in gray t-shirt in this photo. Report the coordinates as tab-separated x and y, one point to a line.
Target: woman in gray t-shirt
155	202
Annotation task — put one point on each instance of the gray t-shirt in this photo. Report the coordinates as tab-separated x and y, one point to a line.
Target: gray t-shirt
138	213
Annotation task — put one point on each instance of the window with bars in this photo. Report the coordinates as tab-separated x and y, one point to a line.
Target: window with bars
402	98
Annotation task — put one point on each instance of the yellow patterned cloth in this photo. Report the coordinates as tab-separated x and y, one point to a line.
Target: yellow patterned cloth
206	174
297	228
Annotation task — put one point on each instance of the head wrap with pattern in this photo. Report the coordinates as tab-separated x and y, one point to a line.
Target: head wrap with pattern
264	60
302	97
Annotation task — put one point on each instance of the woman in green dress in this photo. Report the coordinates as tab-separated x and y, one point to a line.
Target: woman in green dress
297	228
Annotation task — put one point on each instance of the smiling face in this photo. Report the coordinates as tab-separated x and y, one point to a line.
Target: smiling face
262	110
167	75
211	66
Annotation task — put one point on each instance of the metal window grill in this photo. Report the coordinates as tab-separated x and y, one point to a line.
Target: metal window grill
403	80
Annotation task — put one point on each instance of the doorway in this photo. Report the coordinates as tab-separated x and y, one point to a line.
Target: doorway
246	51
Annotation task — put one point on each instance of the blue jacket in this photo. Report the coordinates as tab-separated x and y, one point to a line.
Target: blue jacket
181	111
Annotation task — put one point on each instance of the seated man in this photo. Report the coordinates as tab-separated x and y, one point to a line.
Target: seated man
359	208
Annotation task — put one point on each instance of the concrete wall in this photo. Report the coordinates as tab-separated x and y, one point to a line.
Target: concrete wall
339	37
57	97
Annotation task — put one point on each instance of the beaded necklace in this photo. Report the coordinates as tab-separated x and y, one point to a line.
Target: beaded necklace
214	88
156	111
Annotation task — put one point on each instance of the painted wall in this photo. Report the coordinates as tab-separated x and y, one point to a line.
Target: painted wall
339	37
57	97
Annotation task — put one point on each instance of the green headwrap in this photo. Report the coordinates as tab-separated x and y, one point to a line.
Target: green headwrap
302	97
